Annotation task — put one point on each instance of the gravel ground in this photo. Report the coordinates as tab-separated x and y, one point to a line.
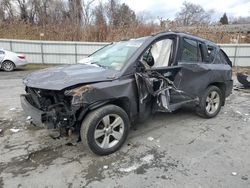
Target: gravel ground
168	150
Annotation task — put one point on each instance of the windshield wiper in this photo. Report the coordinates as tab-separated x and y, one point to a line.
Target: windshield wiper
98	64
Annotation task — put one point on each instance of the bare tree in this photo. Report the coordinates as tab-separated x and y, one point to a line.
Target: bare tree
22	4
6	10
100	23
127	16
112	11
87	11
58	11
120	14
76	11
192	14
144	17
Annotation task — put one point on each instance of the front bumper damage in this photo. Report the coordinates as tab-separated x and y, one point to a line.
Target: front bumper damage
55	116
32	111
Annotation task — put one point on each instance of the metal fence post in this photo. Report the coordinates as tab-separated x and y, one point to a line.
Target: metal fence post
76	53
235	54
42	54
11	46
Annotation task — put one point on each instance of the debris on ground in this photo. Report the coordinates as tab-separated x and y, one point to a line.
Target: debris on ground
105	167
12	109
148	158
14	130
243	79
28	118
150	138
130	169
71	144
238	112
234	173
244	178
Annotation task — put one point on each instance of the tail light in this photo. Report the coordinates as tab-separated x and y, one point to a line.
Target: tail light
21	56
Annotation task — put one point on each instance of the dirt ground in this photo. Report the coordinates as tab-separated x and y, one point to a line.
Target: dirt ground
168	150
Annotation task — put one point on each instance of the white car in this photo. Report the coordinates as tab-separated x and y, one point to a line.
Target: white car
10	60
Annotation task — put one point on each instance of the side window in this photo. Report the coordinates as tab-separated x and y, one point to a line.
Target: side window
224	58
190	51
1	52
158	54
211	54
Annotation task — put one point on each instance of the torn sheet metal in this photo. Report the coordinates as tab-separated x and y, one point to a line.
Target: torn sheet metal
78	93
61	111
156	89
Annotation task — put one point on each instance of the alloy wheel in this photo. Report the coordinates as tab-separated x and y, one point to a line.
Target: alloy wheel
109	131
212	102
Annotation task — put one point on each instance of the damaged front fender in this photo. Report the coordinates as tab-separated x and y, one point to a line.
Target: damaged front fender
78	93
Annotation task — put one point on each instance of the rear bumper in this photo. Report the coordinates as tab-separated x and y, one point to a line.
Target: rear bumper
21	63
229	87
32	111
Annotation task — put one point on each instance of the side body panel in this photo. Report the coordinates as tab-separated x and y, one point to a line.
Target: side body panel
194	78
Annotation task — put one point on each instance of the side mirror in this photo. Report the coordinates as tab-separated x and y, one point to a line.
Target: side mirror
139	66
149	59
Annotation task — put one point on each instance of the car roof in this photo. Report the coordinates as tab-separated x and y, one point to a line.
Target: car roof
187	35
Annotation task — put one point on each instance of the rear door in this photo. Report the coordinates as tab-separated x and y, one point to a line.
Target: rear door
201	66
192	75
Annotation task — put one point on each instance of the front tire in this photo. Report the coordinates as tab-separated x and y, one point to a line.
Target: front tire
210	103
105	129
8	66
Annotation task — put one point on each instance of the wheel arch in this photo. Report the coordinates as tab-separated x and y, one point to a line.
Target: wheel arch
222	87
122	102
1	63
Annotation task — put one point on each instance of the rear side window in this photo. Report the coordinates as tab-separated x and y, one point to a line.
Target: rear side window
211	53
190	51
1	52
224	58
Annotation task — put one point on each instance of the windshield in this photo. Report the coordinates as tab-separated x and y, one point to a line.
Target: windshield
115	55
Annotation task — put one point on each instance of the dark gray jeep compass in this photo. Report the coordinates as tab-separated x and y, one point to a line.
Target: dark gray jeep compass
127	81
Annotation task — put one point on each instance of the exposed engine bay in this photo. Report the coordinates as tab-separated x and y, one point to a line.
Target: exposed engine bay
58	108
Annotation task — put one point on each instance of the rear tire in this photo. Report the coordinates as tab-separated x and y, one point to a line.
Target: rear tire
8	66
105	129
210	103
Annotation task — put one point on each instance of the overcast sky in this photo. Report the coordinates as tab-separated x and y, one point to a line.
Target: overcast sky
168	8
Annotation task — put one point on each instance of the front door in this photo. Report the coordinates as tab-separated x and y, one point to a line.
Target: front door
156	83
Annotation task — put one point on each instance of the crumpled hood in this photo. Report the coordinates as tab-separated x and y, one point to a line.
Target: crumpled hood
60	77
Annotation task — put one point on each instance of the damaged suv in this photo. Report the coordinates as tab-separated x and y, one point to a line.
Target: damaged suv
127	81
